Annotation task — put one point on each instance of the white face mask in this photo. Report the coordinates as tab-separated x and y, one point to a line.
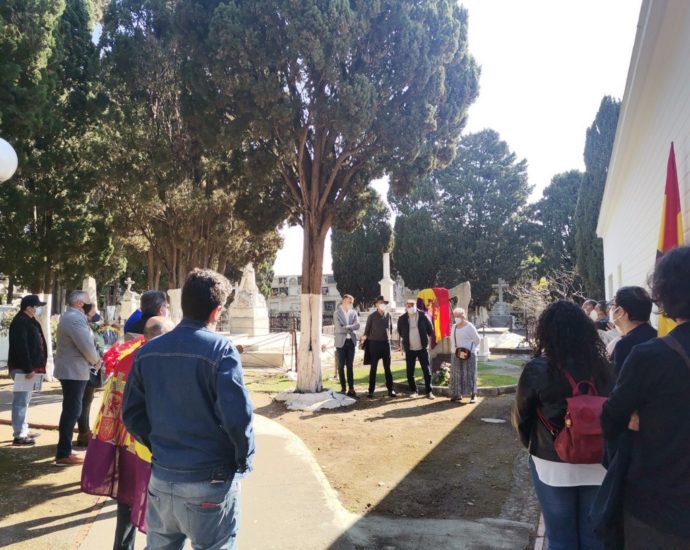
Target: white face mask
411	310
381	307
38	311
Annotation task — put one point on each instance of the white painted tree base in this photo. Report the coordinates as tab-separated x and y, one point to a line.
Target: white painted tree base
314	401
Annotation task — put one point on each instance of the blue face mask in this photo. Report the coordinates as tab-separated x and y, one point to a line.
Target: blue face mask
96	318
412	310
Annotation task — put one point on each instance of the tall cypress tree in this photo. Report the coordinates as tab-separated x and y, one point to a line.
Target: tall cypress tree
597	154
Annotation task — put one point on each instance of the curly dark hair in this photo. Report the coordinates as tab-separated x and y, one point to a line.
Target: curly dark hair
671	283
564	332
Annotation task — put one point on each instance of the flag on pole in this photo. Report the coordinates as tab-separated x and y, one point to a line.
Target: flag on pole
671	231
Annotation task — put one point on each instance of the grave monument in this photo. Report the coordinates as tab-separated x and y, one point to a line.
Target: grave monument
248	311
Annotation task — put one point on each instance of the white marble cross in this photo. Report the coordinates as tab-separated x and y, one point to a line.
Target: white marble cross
500	287
129	282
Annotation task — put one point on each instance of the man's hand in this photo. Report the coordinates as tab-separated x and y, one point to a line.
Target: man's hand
30	375
634	424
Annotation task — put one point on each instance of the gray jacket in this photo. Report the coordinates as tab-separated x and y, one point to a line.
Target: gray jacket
345	323
76	351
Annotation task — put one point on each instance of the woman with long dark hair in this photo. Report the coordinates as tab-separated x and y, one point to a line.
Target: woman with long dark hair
567	344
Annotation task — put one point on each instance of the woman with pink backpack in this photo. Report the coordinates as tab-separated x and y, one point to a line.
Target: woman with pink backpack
556	413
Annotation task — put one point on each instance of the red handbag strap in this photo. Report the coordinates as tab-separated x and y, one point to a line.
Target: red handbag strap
575	386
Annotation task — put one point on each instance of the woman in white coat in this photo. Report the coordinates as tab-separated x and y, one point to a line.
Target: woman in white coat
463	373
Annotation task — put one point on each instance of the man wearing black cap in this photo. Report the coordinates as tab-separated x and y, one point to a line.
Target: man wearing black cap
377	334
28	354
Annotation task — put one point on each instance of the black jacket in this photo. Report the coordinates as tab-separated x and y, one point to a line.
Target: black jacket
426	330
655	382
639	334
28	351
542	385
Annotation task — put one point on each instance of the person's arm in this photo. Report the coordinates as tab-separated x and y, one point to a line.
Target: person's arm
525	406
355	324
83	340
134	413
429	327
475	335
339	328
627	396
400	325
453	343
367	327
19	340
234	408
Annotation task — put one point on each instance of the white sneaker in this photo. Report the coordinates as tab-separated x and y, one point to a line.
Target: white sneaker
473	399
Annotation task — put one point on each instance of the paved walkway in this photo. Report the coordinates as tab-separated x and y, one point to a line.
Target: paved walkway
287	503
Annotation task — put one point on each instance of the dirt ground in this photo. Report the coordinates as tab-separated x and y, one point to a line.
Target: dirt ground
418	457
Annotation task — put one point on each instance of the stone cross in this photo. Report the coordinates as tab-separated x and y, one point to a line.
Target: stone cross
129	282
500	287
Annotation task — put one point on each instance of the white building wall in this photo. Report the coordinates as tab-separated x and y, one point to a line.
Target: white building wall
655	112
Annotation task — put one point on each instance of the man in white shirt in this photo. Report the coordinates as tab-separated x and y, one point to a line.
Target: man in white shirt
415	329
346	322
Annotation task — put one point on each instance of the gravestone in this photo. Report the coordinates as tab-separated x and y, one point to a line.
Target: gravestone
88	285
129	303
501	312
175	302
463	292
248	311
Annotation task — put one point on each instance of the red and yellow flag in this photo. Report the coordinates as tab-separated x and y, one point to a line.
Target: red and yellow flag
671	231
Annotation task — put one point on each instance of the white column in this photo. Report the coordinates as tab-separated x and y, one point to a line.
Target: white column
44	320
387	284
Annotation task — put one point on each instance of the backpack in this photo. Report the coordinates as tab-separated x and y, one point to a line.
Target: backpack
581	441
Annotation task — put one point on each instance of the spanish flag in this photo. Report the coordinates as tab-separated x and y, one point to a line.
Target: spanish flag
671	231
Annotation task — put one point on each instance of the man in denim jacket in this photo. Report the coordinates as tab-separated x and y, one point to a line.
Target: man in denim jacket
185	400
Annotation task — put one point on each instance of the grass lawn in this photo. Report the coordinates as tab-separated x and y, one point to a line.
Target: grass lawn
516	362
257	381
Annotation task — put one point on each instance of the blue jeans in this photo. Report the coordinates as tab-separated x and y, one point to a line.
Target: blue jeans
566	514
72	394
20	404
206	513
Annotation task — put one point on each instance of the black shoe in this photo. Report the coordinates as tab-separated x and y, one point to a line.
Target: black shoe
23	441
351	393
370	395
392	393
343	390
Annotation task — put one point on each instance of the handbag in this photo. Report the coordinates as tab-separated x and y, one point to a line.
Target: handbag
463	353
97	376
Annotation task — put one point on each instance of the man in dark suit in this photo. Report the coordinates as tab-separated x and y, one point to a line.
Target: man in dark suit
415	329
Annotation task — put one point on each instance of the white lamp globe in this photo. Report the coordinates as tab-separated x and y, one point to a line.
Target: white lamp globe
8	160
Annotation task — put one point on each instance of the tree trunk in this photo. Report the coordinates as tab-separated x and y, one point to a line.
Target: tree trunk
309	369
150	273
10	289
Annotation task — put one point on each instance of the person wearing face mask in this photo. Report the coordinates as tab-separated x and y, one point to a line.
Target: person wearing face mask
27	354
630	313
463	372
346	322
377	335
83	425
76	354
415	329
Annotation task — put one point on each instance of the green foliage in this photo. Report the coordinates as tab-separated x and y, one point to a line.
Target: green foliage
327	95
357	255
554	219
53	223
467	223
179	196
588	247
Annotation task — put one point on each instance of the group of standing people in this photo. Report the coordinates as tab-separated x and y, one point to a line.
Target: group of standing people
174	434
416	332
638	497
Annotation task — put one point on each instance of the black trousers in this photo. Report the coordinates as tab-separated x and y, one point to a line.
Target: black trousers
83	422
640	536
125	532
346	358
72	394
380	350
411	358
